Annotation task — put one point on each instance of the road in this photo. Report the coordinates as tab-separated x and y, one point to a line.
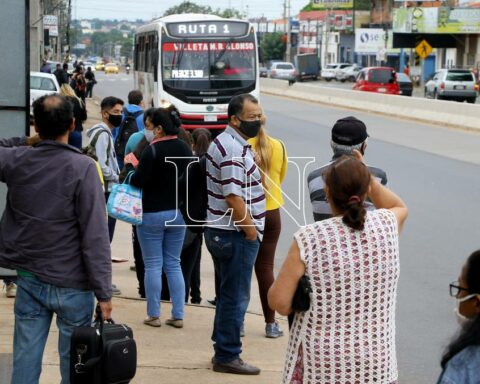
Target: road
433	169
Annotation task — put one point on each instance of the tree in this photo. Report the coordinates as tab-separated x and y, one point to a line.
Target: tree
127	47
187	7
229	13
273	47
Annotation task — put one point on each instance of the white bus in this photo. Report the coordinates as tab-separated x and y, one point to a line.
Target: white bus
198	63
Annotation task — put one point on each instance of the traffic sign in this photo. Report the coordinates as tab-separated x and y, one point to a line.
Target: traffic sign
423	49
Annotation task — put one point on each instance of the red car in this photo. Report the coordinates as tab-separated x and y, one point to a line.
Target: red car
377	79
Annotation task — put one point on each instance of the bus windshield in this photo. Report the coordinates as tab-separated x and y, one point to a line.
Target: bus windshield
208	65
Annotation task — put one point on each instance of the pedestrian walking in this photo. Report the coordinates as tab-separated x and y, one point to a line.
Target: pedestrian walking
352	262
101	144
91	81
137	143
462	358
78	83
60	250
234	229
272	161
79	114
45	68
162	230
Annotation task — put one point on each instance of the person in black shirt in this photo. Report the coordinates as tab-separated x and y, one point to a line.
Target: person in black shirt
79	113
162	231
91	81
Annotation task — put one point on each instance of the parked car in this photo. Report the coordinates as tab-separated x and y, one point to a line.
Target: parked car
349	73
329	72
377	79
405	84
263	72
41	84
452	84
111	68
284	71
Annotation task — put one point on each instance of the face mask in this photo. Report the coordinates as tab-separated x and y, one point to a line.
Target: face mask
461	319
149	135
250	128
115	120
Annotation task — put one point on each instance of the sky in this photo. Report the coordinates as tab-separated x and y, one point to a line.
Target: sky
148	9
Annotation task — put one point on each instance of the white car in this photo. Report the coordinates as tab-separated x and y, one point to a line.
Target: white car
348	73
41	84
330	71
87	64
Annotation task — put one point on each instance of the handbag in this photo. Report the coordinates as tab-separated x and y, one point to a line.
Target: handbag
301	298
125	202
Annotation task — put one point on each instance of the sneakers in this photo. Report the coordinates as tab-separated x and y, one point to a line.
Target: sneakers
176	323
237	366
152	321
272	331
11	290
212	302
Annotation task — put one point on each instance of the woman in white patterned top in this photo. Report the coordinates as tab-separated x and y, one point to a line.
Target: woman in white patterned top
347	336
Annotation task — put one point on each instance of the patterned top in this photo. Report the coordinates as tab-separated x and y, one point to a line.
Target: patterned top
231	169
348	334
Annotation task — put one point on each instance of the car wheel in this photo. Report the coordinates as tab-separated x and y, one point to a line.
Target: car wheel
352	79
343	80
472	100
328	79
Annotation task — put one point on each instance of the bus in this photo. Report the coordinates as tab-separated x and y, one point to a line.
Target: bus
198	63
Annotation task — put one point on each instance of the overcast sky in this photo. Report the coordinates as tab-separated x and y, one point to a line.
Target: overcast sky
147	9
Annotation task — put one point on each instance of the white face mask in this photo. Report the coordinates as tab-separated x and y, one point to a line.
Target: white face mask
149	135
461	319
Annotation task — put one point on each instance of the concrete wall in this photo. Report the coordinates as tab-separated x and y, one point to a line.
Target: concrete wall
36	34
460	115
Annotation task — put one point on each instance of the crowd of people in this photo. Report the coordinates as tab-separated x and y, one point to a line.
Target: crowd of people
349	255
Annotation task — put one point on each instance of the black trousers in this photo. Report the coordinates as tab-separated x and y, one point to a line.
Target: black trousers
139	266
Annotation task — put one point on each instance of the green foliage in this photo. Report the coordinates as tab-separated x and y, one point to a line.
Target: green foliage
229	13
272	46
360	5
187	7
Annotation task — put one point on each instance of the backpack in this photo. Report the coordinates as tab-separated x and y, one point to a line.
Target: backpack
90	149
196	197
126	129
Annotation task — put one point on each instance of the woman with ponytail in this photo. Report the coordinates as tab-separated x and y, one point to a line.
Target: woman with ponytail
271	158
352	262
162	231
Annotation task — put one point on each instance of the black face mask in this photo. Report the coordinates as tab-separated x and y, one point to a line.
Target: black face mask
115	120
250	128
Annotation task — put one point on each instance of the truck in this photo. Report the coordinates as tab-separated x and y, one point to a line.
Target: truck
307	65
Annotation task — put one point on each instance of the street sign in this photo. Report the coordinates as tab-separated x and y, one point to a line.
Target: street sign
423	49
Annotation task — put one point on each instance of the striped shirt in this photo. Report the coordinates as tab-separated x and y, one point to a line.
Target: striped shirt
231	170
321	208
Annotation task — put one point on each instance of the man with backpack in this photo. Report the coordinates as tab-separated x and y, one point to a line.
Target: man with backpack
132	122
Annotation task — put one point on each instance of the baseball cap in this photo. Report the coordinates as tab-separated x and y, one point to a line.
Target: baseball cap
349	131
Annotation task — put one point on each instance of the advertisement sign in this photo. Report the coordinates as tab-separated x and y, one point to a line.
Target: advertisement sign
332	4
436	20
50	22
370	41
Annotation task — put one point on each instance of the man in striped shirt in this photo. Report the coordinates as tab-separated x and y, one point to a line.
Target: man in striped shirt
348	134
235	221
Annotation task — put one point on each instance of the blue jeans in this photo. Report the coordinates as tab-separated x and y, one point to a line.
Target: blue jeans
161	247
35	304
234	258
75	139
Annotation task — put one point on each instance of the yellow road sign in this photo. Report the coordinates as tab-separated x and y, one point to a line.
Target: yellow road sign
423	49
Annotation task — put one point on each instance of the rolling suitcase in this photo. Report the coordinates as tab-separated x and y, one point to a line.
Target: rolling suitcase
104	353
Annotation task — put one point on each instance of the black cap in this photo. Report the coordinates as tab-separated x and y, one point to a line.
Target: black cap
349	131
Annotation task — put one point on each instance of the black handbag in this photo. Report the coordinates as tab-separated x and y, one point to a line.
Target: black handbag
104	353
301	298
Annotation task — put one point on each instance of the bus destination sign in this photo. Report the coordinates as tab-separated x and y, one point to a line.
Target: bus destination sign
208	29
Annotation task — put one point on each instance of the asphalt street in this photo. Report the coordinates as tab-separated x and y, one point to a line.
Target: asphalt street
435	170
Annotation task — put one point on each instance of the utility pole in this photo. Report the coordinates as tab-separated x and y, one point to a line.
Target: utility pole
289	39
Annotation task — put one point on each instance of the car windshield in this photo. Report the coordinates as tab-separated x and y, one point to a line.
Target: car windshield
460	76
381	76
403	77
41	84
209	65
331	66
284	66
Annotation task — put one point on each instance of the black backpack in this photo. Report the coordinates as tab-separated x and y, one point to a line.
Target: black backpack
196	197
126	129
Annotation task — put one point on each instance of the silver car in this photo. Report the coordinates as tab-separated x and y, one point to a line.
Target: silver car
284	71
452	84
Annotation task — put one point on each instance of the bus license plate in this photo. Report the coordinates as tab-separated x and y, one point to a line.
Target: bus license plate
211	118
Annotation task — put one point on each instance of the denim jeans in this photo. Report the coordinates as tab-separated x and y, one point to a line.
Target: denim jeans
75	139
161	247
234	258
35	304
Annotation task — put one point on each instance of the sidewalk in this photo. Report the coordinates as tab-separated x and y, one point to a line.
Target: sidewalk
167	355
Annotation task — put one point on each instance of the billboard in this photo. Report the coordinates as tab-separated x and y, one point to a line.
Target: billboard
332	4
436	20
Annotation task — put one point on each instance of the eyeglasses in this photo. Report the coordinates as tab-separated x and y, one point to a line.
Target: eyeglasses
455	289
